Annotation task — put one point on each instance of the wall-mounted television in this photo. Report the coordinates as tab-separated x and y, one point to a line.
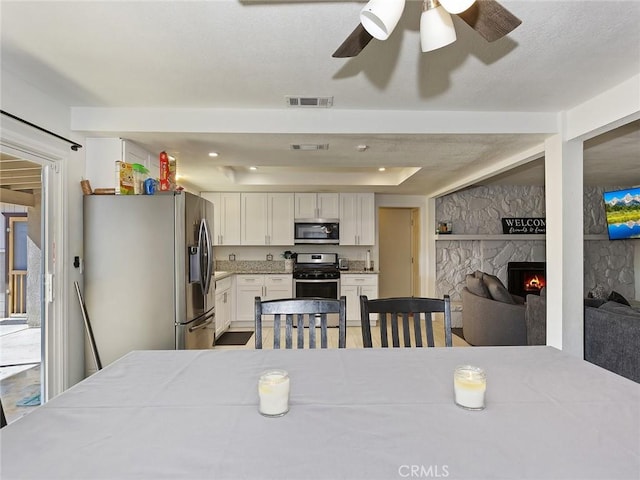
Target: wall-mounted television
623	213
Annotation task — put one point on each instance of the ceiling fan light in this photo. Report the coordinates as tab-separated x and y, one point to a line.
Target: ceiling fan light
456	6
436	28
380	17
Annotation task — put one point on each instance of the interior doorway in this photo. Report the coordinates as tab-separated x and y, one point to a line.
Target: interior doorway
399	240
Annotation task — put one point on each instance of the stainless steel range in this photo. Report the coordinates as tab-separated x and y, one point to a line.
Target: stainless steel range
317	275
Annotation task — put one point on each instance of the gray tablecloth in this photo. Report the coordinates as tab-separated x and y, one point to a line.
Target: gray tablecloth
361	414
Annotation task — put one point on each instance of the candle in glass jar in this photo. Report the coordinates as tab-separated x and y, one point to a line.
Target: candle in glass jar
273	390
469	385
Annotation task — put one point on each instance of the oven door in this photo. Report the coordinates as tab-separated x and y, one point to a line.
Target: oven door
319	289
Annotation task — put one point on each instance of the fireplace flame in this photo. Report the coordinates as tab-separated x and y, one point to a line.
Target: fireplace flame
534	283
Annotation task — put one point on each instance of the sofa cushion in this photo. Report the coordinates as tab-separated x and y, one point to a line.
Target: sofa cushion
616	297
496	289
619	309
476	286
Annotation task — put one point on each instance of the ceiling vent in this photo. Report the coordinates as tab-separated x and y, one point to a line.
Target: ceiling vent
312	102
309	146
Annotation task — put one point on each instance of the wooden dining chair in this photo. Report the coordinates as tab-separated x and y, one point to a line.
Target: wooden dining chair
302	311
399	312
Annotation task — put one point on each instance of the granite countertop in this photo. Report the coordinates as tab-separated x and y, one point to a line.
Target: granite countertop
358	271
251	266
274	267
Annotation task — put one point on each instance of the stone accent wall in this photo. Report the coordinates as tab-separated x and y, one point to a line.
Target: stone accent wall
479	210
606	263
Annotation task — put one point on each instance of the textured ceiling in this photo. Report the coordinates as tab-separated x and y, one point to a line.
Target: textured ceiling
250	55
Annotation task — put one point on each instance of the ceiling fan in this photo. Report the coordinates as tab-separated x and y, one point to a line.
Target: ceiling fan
378	18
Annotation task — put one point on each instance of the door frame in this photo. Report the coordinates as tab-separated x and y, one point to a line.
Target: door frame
414	235
30	146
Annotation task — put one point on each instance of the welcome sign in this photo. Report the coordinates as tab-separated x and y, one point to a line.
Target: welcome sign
524	225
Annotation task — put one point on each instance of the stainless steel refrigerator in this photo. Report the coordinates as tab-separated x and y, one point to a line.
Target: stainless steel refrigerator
148	272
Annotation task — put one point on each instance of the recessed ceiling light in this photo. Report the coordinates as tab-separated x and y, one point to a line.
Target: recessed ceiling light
213	154
253	168
381	169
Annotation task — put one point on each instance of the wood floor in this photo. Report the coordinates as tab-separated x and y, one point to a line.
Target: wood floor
354	338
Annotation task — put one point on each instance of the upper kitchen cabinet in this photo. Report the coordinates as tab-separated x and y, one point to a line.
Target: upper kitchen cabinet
357	219
226	217
102	154
267	218
317	205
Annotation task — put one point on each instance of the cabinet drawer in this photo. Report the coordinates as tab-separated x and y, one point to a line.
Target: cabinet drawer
275	280
249	280
223	284
358	279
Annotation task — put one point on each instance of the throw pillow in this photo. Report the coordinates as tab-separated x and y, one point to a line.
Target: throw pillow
476	286
616	297
496	289
598	292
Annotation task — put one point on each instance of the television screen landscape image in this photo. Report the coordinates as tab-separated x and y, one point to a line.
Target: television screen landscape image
623	213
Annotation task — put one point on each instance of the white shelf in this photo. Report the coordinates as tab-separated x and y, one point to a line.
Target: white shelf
501	237
455	237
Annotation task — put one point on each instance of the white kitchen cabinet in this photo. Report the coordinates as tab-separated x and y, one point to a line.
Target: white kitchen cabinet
226	217
224	301
357	219
317	205
103	153
353	285
267	219
265	286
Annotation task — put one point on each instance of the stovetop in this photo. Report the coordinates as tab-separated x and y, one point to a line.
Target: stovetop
315	273
316	266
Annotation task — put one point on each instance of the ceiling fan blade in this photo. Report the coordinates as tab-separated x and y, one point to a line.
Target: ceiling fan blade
490	19
354	43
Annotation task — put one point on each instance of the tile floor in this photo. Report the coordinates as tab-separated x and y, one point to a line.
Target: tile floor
19	367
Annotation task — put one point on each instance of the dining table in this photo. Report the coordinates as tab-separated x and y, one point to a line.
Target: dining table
353	414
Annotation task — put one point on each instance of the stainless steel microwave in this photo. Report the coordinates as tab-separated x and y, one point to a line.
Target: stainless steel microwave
316	232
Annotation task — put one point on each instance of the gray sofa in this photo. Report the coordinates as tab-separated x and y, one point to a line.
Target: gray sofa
490	314
611	334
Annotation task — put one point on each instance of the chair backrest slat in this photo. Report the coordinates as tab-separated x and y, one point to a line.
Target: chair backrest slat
405	329
301	311
417	328
300	330
276	327
383	330
389	310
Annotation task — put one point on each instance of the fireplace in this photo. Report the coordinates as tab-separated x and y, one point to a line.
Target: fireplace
525	278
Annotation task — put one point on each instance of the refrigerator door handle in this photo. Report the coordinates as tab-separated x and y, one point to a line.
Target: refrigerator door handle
201	325
204	247
210	258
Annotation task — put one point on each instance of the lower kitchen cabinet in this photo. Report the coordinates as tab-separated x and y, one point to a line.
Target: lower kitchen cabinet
224	301
265	286
352	285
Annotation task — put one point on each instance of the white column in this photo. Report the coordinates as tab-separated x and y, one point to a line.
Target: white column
430	256
565	244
